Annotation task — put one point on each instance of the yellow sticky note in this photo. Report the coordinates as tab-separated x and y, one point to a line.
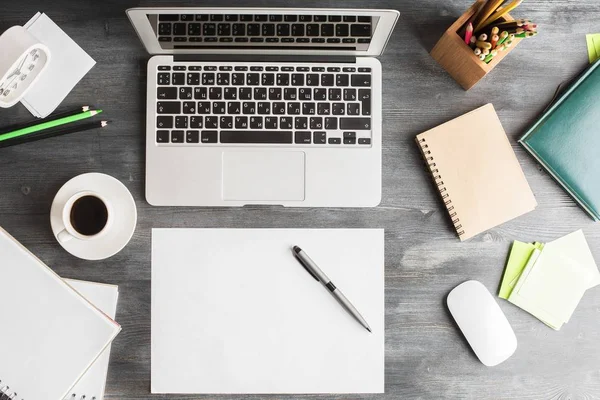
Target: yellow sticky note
593	49
519	255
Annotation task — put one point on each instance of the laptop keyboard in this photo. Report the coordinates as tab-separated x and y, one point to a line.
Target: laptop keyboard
204	104
264	28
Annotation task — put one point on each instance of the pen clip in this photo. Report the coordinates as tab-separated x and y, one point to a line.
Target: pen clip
306	268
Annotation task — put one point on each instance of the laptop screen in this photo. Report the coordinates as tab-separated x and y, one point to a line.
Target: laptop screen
277	31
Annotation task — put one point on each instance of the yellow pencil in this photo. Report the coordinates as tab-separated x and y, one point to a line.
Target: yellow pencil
495	30
485	12
500	13
484	45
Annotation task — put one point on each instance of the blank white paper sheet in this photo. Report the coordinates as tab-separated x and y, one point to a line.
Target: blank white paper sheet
233	311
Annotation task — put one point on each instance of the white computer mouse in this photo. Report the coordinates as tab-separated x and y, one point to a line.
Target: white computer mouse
482	322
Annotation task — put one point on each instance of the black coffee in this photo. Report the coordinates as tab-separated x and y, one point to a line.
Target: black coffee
89	215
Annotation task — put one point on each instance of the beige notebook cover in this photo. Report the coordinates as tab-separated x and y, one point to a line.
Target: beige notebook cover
476	172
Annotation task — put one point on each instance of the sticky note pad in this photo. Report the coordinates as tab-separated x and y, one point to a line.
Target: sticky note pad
577	249
593	46
519	255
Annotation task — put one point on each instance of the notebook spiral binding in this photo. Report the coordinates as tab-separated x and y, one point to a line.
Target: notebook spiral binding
75	396
440	185
6	394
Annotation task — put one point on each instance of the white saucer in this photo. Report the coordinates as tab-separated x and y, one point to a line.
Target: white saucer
125	216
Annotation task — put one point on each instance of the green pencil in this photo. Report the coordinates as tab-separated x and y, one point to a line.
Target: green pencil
47	125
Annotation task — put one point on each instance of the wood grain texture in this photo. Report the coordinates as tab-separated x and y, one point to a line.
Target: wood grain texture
426	357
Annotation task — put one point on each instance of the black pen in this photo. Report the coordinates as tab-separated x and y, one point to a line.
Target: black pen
316	273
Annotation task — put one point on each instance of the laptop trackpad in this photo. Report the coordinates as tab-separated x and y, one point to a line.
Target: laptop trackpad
263	176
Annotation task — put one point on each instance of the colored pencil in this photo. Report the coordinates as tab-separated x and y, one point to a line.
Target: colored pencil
469	33
477	51
49	125
50	118
484	45
485	12
483	37
50	133
500	13
494	41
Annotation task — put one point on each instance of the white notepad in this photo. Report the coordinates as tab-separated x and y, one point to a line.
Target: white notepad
234	312
51	335
69	64
91	386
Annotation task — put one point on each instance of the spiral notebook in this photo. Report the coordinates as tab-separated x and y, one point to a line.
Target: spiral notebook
51	334
91	386
476	172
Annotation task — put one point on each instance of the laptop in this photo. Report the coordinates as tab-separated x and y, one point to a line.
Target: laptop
263	106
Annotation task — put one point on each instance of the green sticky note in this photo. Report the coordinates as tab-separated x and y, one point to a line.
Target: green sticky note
519	255
593	46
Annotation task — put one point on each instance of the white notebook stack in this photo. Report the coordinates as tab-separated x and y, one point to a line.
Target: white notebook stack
53	336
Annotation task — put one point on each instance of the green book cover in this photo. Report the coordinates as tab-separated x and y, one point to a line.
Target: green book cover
566	140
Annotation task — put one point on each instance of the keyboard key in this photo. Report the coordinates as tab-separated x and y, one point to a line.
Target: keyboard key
238	30
164	39
339	109
352	109
193	78
259	137
305	18
208	78
261	17
189	107
350	94
211	122
316	123
275	18
349	69
253	79
226	122
168	17
286	122
355	123
305	94
176	136
245	93
349	18
293	108
361	80
166	93
194	29
164	122
223	78
168	107
364	18
210	68
331	123
312	79
241	122
210	39
290	18
302	138
327	79
268	29
364	96
253	29
342	80
209	136
249	107
209	29
287	40
218	107
308	108
350	141
234	107
364	141
181	122
268	79
324	108
335	18
256	122
360	30
164	29
272	40
226	39
231	17
192	137
224	29
335	94
297	79
318	69
238	79
260	93
312	30
297	29
185	93
230	93
202	17
319	138
264	108
342	30
216	17
279	108
164	78
215	93
348	40
320	94
318	40
204	107
275	93
178	78
270	122
302	69
179	29
162	136
246	18
196	122
180	39
335	141
349	135
320	18
283	29
364	69
290	94
333	40
333	69
241	68
327	30
283	79
301	123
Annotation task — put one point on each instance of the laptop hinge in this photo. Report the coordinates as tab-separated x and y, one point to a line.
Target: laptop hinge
263	58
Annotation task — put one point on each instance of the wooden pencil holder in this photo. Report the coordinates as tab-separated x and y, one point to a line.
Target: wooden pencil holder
456	57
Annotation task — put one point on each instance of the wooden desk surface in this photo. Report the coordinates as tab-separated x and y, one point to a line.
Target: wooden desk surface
426	357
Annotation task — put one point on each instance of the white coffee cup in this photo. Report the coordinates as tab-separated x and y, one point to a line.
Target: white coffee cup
70	232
